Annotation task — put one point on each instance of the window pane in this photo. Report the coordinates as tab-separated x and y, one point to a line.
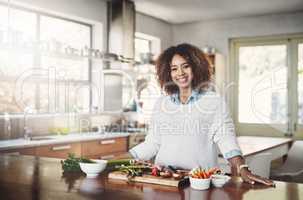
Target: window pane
78	98
141	46
22	24
67	69
300	83
13	64
64	97
44	98
263	84
26	96
16	28
7	102
22	28
66	34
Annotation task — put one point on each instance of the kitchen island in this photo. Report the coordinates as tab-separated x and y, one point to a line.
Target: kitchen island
29	177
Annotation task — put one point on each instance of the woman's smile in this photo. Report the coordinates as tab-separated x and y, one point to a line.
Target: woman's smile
182	79
181	72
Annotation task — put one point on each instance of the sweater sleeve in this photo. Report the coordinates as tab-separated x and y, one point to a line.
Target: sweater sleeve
223	131
150	147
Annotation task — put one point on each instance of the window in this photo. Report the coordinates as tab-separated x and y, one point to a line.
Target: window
269	92
35	71
262	84
142	46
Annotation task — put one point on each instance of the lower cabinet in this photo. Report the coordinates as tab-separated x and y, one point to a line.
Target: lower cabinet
96	149
104	149
59	150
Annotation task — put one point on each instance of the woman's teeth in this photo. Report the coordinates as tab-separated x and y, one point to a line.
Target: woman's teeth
182	80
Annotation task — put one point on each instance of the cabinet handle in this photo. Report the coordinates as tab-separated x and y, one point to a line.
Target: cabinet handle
59	148
107	157
107	141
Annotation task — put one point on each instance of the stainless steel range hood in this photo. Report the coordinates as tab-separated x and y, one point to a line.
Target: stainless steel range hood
121	28
121	34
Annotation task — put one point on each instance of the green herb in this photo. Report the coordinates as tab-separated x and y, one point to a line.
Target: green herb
133	170
71	164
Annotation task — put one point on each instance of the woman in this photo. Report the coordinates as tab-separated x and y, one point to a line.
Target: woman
190	121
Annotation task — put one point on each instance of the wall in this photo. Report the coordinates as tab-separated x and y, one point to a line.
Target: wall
155	27
216	33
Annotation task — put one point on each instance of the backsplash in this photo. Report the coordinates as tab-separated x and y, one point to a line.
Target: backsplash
51	124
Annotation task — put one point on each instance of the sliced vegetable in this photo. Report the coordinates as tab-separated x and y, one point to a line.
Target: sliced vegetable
202	173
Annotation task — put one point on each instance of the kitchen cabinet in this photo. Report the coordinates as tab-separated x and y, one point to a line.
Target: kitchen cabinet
95	149
104	149
59	150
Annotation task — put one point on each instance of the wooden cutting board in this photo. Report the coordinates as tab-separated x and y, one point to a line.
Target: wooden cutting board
145	178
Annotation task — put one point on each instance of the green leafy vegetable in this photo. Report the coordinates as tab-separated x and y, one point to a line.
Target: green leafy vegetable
71	164
133	170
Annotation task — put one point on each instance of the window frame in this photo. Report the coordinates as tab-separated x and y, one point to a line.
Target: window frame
37	60
291	41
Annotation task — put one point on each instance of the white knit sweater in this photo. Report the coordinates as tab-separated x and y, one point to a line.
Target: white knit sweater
186	135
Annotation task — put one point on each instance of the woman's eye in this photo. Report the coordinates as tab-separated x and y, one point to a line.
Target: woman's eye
173	69
185	66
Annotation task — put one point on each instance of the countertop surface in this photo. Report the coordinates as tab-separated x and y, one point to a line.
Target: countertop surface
27	177
58	139
251	145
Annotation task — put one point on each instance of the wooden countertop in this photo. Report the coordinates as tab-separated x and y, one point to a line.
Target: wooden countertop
27	177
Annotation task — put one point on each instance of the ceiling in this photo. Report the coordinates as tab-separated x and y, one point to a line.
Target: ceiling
184	11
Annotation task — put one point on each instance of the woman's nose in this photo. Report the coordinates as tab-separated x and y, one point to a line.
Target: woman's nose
180	71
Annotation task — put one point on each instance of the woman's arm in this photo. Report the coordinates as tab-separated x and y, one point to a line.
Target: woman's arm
245	173
224	136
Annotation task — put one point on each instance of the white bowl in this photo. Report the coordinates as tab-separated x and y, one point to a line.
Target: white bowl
93	169
199	184
219	180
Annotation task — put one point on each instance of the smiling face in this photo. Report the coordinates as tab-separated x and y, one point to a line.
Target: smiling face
181	72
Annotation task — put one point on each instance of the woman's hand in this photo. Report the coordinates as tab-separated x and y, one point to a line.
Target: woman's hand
251	178
246	174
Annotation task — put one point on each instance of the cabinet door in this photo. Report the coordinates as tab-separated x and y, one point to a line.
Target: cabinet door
59	150
104	147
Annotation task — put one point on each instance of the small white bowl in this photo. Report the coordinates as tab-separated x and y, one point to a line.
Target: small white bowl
219	180
199	184
93	169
